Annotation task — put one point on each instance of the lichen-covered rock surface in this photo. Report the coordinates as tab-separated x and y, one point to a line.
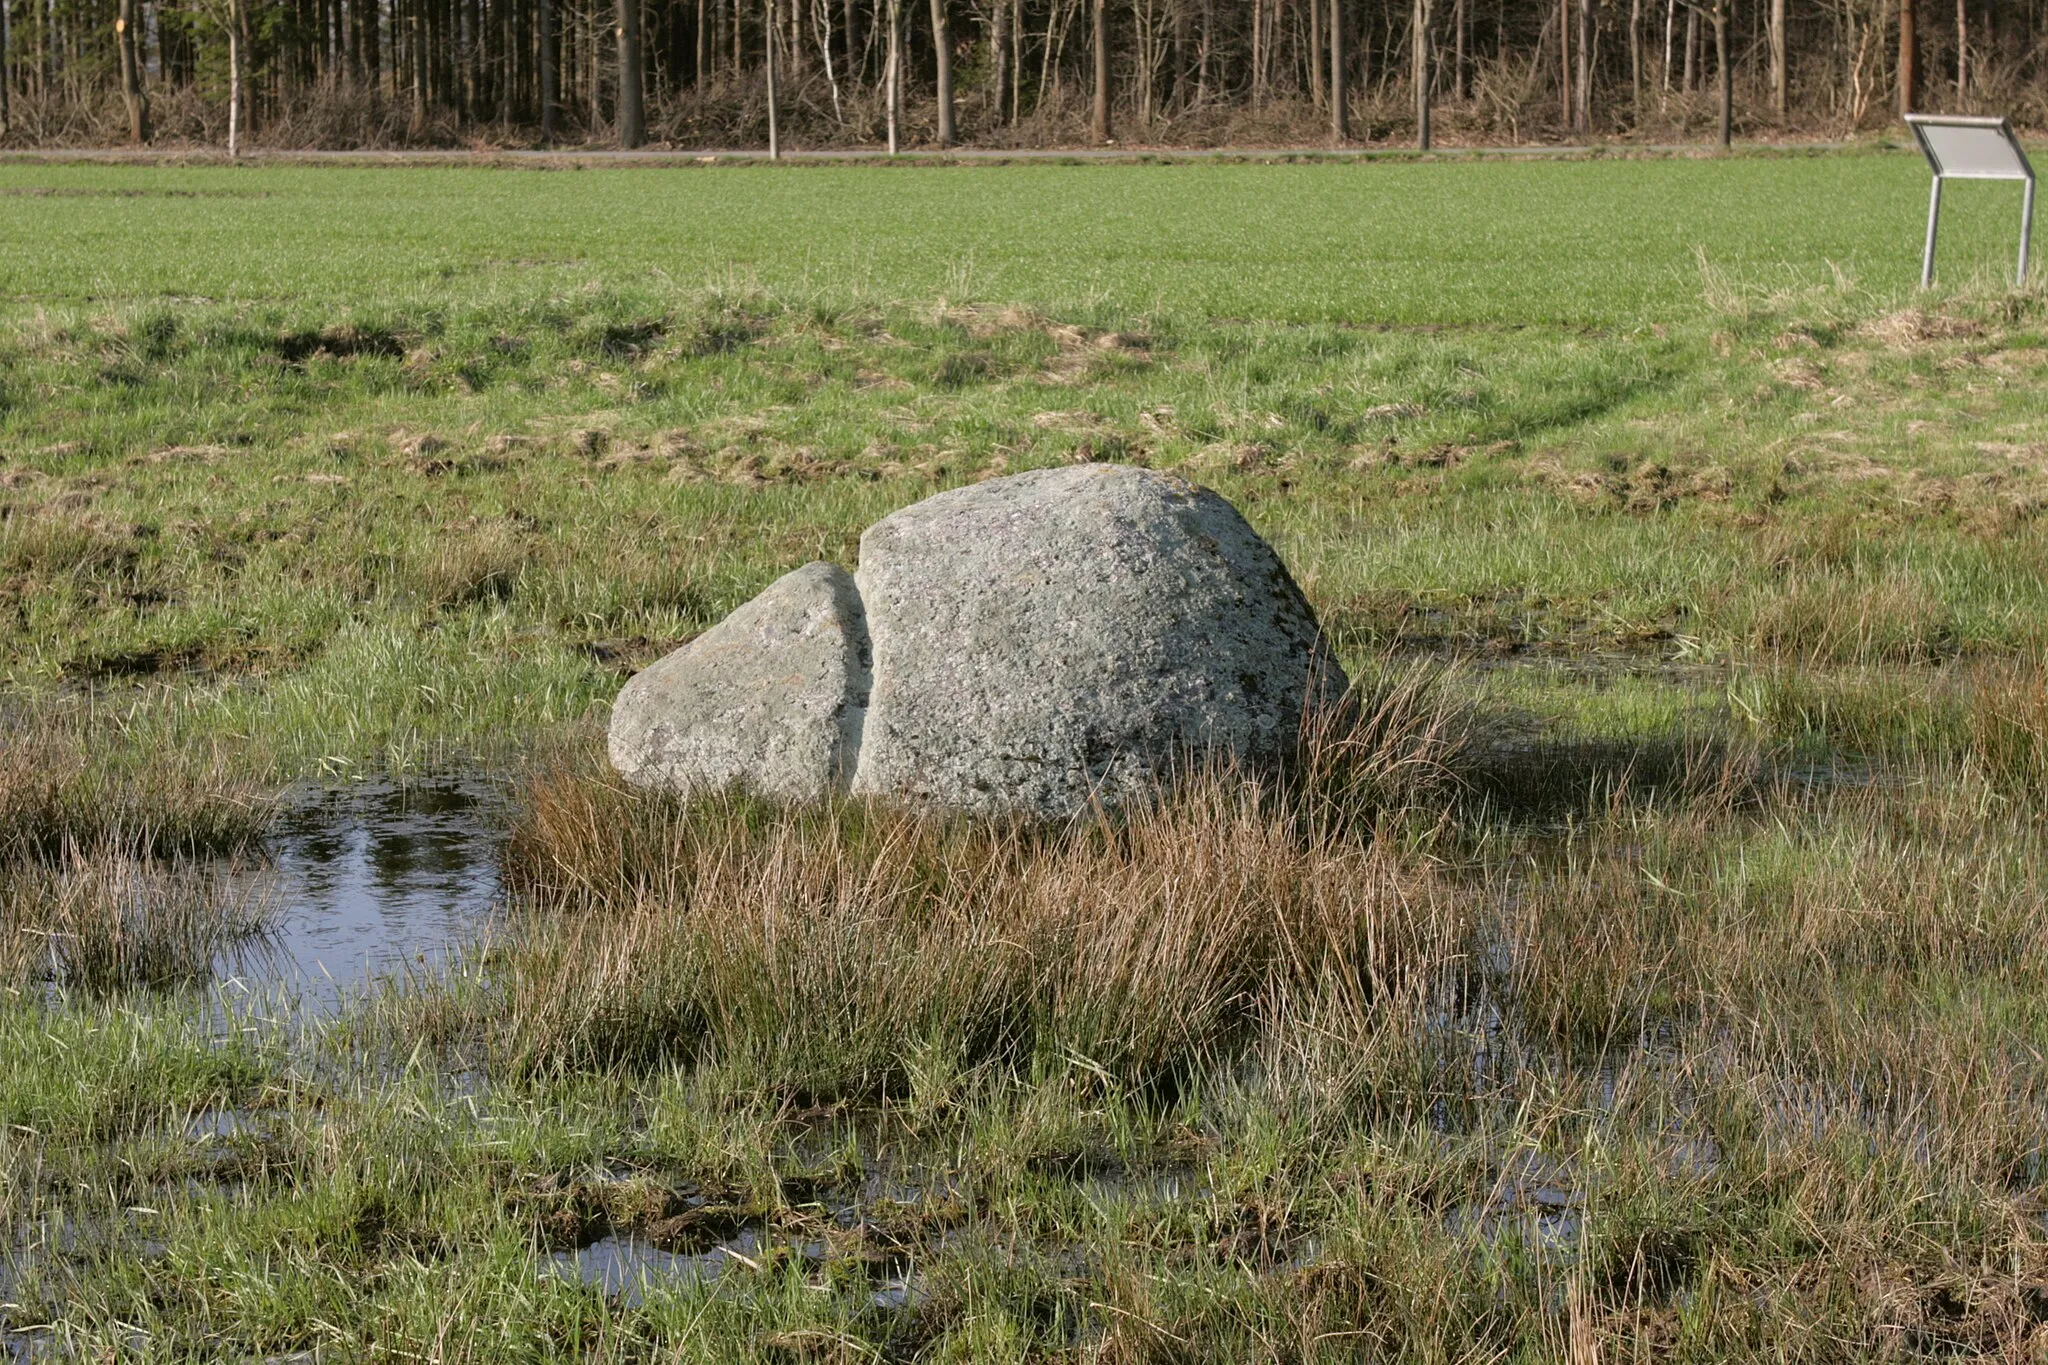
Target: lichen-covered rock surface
770	698
1040	644
1072	635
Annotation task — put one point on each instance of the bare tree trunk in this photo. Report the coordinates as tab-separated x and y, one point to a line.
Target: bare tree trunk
1962	52
462	54
1099	123
1315	53
1258	55
1340	114
132	94
999	57
1778	74
239	60
821	16
942	44
632	118
1635	60
1909	58
1016	59
1182	67
1582	98
1564	59
1724	75
234	79
1670	23
1421	62
416	58
6	66
1692	48
1050	52
892	96
507	44
1461	55
1144	22
550	70
768	77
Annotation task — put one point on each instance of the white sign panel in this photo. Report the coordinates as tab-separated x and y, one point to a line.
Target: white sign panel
1959	148
1971	148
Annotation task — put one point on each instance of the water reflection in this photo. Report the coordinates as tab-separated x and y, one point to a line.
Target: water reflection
378	876
624	1267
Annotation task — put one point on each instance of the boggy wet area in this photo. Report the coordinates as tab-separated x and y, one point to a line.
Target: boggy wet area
374	878
623	1267
865	1241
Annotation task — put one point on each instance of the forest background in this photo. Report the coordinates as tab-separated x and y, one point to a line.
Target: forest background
1000	74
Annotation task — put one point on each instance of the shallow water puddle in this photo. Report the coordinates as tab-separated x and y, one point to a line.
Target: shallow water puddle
30	1344
1536	1199
624	1267
377	877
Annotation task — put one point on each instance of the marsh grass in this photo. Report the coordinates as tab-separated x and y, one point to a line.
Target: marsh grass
59	794
1693	1069
1650	967
1678	1051
113	879
854	951
102	922
383	535
1983	719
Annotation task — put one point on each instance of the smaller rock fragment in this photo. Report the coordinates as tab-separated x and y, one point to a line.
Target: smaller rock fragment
772	698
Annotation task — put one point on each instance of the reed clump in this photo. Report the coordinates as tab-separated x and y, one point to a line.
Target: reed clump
843	948
59	791
99	921
116	877
1980	719
839	946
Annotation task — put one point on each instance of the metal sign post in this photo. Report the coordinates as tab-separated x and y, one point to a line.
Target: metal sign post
1960	148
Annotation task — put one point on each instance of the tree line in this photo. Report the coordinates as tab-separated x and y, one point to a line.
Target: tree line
998	73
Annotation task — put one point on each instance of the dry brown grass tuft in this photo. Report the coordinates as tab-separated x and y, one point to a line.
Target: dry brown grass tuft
479	565
113	877
2007	719
1869	961
57	795
1982	720
1911	327
100	922
848	947
1832	617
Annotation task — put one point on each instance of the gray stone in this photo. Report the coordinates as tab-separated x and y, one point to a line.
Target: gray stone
770	698
1073	636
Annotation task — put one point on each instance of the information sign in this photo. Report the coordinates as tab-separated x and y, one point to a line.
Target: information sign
1960	148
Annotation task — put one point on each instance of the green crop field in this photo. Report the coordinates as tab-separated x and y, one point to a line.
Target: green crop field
1663	977
1595	243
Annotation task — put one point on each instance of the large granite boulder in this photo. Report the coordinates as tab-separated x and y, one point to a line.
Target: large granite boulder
770	698
1071	636
1040	644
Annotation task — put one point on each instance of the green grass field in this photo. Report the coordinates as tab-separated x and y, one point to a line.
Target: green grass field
1690	1005
1591	243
